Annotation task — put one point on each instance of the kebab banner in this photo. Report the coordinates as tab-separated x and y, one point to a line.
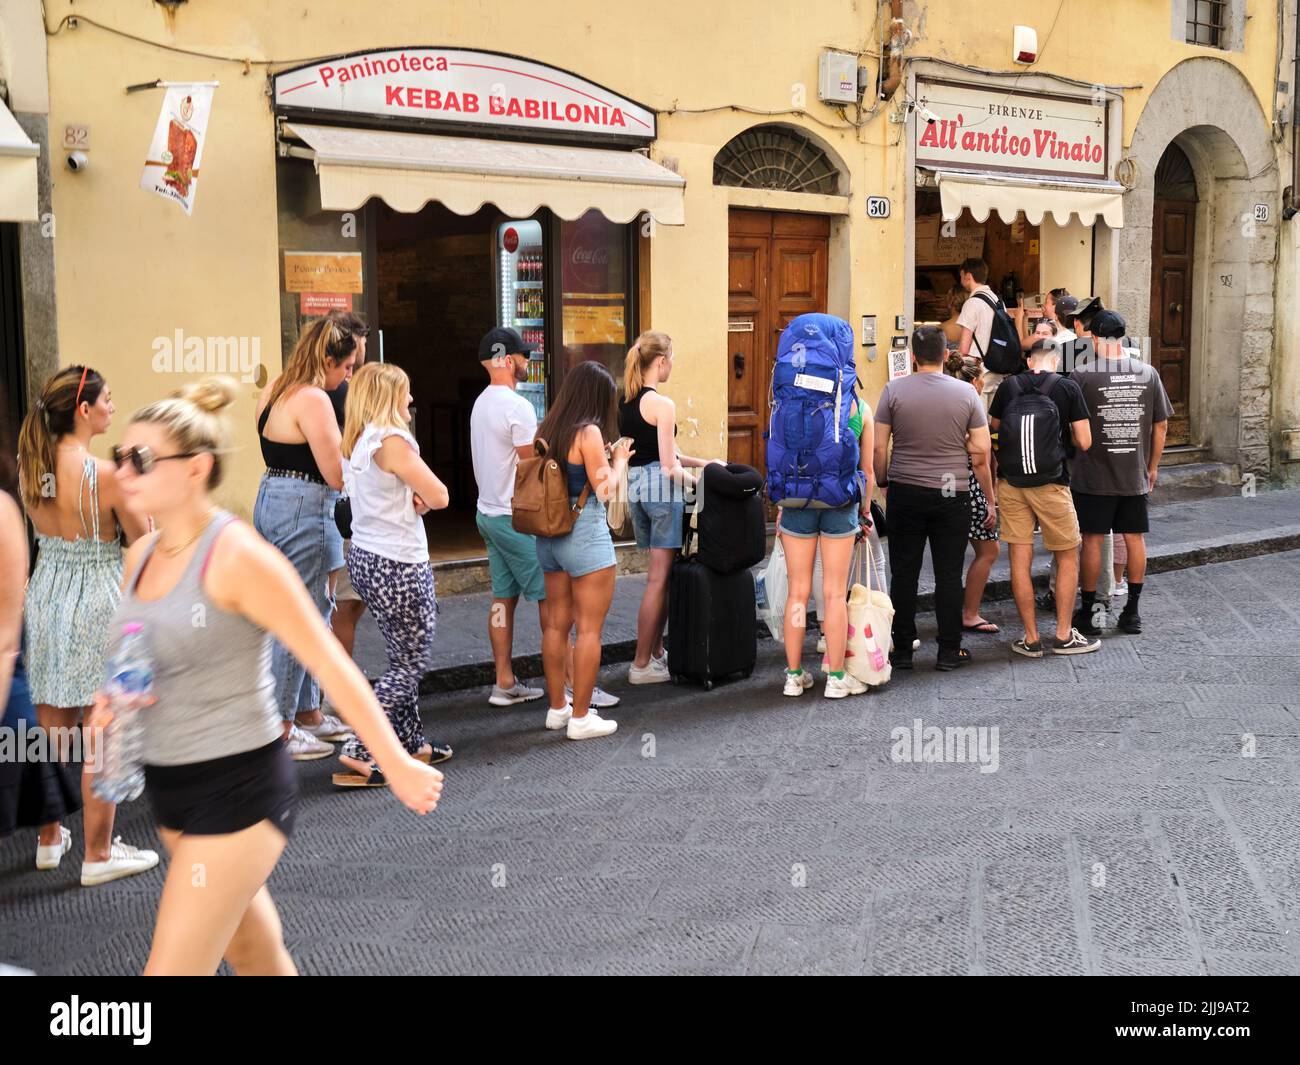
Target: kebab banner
171	168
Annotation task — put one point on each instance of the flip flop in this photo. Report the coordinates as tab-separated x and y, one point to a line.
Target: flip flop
375	779
985	627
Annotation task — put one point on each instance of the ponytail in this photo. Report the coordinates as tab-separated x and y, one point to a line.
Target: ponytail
648	347
54	415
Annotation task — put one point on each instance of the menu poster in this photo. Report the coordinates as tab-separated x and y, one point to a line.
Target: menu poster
594	283
171	169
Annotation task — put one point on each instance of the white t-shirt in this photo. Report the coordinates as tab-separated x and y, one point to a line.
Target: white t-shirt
977	316
384	521
502	420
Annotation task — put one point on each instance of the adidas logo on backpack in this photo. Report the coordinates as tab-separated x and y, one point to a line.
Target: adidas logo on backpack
1030	450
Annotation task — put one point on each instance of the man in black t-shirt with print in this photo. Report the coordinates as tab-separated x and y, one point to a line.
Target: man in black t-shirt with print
1050	505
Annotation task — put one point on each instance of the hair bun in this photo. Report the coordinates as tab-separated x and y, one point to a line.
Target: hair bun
211	395
953	363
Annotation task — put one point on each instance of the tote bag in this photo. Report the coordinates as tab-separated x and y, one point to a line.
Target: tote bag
871	618
770	591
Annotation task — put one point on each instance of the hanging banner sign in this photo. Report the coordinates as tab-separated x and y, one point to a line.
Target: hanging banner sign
989	127
171	168
447	85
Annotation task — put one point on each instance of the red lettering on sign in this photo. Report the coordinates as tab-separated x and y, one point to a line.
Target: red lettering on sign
392	95
513	108
470	100
496	106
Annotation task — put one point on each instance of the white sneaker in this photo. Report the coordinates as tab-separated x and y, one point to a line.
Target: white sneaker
517	693
590	726
797	683
330	728
123	860
49	857
1121	588
600	698
557	719
656	672
839	687
304	747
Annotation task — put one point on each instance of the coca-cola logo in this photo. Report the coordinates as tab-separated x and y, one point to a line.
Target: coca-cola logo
581	256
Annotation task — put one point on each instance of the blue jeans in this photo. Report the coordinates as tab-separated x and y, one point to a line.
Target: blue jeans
298	518
807	523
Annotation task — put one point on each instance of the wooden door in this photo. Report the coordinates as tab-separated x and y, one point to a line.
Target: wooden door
776	271
1173	243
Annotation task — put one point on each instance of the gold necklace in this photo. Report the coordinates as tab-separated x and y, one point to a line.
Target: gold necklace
172	552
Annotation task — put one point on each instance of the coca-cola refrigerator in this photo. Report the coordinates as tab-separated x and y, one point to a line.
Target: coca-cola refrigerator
521	304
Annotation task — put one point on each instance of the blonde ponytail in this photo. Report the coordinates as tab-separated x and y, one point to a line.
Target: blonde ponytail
195	419
648	347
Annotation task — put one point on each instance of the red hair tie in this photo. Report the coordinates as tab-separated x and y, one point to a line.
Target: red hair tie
84	370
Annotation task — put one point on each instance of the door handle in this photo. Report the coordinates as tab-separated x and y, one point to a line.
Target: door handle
1176	308
738	364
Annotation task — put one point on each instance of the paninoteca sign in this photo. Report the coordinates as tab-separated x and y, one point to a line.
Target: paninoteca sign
988	127
441	85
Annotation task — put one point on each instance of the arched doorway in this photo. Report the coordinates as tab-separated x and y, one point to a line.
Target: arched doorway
777	266
1173	242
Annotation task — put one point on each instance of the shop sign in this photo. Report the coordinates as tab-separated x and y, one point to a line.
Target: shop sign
171	169
461	86
992	127
322	272
315	304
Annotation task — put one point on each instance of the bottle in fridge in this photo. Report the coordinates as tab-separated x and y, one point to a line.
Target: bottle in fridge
521	300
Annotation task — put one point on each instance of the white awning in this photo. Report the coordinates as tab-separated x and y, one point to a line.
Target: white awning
981	193
18	157
408	170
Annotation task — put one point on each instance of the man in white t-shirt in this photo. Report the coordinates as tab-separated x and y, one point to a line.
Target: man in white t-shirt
976	320
502	427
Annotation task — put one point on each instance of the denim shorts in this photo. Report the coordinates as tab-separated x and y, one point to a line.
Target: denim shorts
297	517
805	523
655	503
512	559
588	548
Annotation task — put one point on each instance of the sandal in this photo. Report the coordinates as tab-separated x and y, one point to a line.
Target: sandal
374	779
987	628
440	753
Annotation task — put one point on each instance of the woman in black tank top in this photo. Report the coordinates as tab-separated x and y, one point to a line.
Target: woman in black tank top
295	505
658	479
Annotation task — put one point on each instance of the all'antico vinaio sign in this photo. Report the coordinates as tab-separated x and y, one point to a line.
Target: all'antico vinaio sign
462	86
987	127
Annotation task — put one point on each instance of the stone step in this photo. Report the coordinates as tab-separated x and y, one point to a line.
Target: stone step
1196	480
1183	456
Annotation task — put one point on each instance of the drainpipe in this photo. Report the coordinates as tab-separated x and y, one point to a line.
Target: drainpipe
1289	205
895	78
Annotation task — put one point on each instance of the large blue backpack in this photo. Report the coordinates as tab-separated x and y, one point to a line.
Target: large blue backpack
812	457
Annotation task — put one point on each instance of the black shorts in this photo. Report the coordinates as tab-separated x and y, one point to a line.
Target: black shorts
1103	514
227	794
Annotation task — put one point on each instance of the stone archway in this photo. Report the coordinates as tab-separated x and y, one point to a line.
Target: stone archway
1208	109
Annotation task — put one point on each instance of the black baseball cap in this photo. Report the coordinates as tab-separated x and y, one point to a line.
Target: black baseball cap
502	341
1065	307
1088	307
1109	325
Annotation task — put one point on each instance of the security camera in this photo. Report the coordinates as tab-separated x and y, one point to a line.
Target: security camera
77	161
928	116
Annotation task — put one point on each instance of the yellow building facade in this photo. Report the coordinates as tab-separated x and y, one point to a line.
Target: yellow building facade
752	200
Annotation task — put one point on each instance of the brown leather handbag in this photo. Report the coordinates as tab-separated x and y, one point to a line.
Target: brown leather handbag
541	503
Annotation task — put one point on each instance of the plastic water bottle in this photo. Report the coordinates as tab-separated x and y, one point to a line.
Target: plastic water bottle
128	687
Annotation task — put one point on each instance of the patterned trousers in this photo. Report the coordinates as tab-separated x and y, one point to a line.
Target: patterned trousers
400	595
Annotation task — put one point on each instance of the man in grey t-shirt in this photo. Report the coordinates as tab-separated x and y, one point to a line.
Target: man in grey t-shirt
1129	411
940	433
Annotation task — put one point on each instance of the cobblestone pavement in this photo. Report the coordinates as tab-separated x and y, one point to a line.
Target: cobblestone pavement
742	832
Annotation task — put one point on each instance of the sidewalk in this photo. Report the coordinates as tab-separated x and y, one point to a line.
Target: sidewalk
1182	535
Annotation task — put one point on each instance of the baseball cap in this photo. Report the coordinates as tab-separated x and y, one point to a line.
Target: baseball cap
1065	307
1109	325
1087	308
502	341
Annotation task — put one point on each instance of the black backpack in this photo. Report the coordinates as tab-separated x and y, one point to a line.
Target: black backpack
1030	450
1004	355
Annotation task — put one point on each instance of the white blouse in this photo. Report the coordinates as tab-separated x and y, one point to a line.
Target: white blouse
384	521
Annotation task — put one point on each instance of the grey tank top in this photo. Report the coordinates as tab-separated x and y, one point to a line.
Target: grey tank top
212	668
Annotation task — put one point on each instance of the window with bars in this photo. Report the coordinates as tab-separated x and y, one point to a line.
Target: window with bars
1206	22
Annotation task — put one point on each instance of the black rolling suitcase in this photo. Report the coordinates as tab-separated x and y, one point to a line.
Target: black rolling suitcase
712	625
728	523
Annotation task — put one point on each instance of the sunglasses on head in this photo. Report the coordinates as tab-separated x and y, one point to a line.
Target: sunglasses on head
143	460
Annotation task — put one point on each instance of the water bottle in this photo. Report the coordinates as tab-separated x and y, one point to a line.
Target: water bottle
128	687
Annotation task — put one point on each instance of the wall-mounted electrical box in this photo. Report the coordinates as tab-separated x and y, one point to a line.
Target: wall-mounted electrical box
837	78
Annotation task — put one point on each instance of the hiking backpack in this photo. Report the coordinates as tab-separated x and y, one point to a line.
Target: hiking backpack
1030	451
812	457
1004	355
